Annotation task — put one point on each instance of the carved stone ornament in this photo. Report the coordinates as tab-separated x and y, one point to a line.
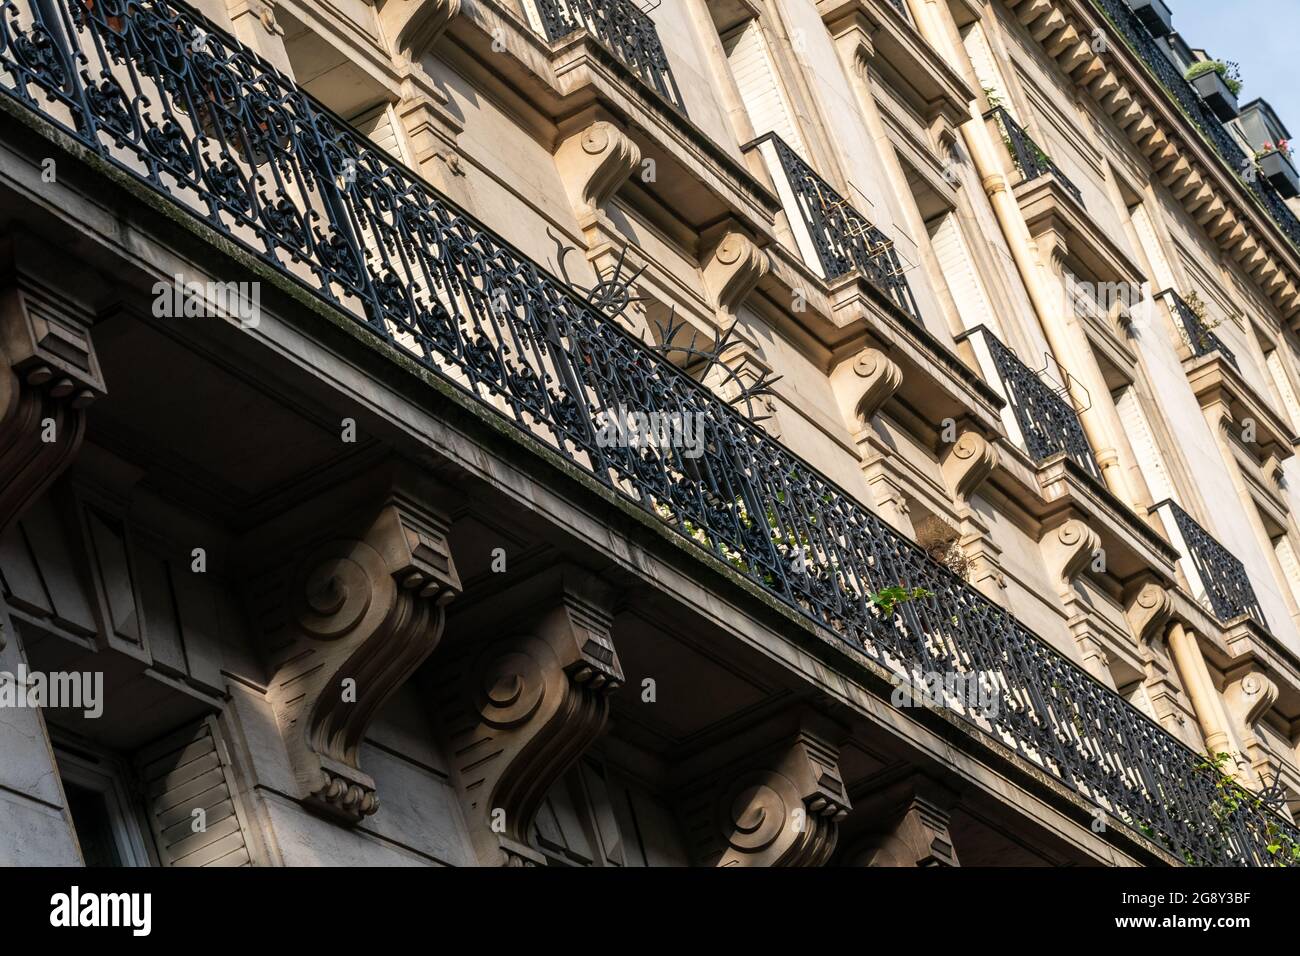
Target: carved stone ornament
48	376
353	620
519	712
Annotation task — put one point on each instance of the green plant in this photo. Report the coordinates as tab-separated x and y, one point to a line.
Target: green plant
994	97
1227	69
889	598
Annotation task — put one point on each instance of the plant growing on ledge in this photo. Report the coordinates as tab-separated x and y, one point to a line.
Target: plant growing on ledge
942	542
1230	798
1281	146
887	599
1227	69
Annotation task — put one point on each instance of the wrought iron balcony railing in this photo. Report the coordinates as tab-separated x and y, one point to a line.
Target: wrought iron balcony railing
1217	574
1199	336
1171	78
1048	422
622	28
843	238
1028	155
157	94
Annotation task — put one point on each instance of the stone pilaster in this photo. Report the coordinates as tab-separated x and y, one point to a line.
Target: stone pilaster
518	711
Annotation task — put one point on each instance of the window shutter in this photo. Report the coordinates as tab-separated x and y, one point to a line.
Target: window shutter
1143	442
959	272
188	771
755	75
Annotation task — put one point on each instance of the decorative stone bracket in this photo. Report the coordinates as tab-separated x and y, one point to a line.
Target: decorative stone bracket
594	164
967	463
350	619
779	806
1067	549
519	712
881	378
416	25
732	270
48	375
916	811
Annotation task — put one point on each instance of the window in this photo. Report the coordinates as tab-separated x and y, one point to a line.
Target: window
103	815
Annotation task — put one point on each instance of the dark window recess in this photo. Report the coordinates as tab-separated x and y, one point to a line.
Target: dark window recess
94	825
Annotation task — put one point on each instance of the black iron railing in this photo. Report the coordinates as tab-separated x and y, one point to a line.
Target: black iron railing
1048	422
622	28
844	239
1222	575
159	93
1028	156
1197	333
1171	78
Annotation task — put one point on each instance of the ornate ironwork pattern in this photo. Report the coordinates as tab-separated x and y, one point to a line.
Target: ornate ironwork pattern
1144	44
1049	423
1200	337
1028	155
623	29
1222	574
159	92
844	239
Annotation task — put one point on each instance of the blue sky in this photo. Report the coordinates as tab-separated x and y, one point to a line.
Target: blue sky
1261	35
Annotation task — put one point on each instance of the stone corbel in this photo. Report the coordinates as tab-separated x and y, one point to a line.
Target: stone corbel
967	463
1249	694
732	270
917	812
1067	549
520	712
49	374
593	164
349	619
778	806
414	26
881	379
1147	605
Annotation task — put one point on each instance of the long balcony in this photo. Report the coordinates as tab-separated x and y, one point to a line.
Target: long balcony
621	27
1047	422
841	238
1143	43
1215	574
1027	155
230	141
1199	336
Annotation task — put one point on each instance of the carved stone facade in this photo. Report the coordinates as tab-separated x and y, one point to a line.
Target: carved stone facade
306	444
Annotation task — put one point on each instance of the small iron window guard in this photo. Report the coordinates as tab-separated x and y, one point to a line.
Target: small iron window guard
225	136
1216	575
1199	336
1048	421
1027	155
843	238
624	29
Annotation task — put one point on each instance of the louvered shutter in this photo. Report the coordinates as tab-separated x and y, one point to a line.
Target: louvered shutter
755	74
189	771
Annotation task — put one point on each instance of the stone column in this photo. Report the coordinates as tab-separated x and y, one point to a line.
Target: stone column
1210	711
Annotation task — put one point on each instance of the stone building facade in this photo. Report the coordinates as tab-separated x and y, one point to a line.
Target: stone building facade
643	433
